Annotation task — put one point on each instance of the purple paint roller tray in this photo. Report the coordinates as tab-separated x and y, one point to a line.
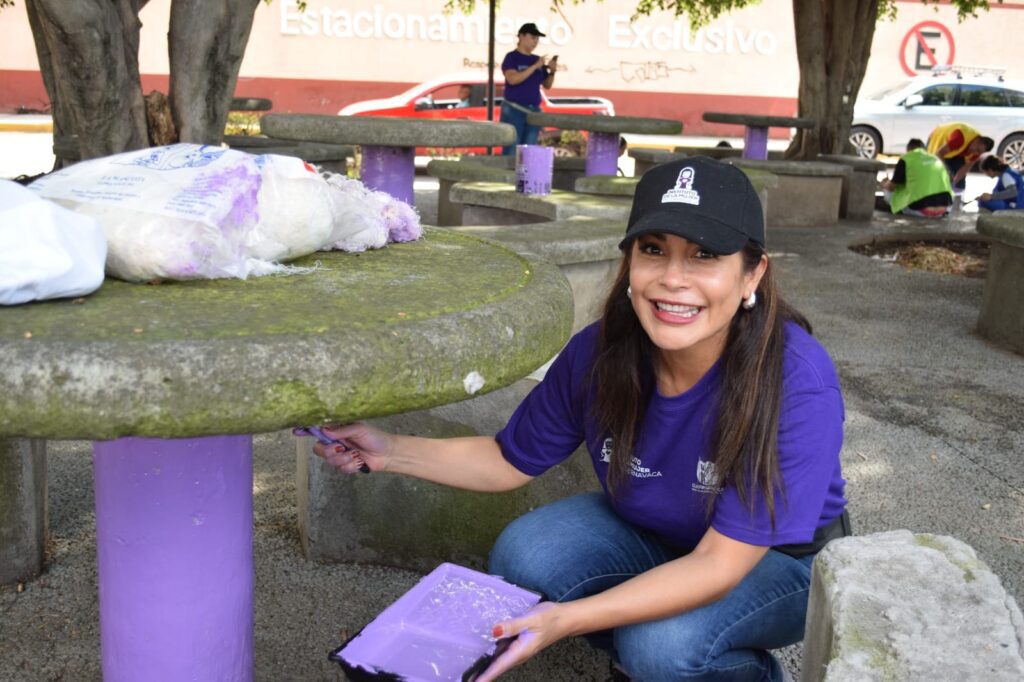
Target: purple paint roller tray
438	630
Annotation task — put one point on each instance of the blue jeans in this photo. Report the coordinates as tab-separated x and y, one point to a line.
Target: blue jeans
525	133
578	547
996	204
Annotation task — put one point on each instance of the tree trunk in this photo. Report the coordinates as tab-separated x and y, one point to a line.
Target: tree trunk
206	43
833	43
88	54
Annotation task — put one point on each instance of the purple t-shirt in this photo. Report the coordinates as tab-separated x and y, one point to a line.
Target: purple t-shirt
527	92
671	473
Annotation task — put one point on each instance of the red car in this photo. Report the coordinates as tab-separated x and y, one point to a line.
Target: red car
440	99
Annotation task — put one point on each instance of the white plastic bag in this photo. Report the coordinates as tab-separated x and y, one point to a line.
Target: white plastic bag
46	251
189	211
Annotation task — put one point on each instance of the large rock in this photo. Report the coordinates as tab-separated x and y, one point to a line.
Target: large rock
904	606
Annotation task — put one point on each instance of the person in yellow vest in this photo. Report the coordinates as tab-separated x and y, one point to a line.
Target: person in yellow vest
959	146
920	184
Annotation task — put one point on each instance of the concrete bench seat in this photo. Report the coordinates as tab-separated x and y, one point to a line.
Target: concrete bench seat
1002	317
905	606
858	198
806	194
646	158
492	203
565	171
450	172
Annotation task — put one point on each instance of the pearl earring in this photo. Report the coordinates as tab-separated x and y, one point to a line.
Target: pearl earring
629	291
750	301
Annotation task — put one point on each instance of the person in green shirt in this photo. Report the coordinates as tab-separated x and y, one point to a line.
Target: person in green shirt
920	185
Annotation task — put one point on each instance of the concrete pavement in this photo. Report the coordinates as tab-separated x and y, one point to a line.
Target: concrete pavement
934	440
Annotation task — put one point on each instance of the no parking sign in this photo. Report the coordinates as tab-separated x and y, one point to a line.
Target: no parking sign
925	45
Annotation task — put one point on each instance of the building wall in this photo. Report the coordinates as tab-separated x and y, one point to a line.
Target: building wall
343	51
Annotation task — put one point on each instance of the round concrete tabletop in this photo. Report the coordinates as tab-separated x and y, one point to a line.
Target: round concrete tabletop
386	331
759	121
606	124
386	132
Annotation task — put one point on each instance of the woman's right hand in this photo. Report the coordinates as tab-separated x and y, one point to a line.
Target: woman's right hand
360	444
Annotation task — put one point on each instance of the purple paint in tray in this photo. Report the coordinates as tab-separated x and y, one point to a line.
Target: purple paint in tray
438	630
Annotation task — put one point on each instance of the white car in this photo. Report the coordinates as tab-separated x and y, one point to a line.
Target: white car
883	124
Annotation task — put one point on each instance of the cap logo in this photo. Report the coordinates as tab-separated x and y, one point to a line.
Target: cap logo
683	192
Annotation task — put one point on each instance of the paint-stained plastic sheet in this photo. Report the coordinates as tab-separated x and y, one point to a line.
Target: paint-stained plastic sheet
438	630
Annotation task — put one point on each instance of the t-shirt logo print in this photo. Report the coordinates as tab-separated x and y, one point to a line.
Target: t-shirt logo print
683	192
606	450
705	478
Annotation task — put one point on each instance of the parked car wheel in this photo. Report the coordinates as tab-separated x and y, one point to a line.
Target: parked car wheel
1012	151
865	141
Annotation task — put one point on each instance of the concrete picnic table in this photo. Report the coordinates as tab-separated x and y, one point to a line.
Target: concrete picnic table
755	141
171	380
603	145
388	144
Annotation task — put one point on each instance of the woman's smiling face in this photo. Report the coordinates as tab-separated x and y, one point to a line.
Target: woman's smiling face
685	296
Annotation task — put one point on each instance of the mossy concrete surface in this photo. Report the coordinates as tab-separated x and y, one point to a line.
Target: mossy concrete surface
606	124
457	171
607	184
364	335
904	606
576	240
559	205
386	132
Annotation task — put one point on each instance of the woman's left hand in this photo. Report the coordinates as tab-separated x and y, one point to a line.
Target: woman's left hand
541	627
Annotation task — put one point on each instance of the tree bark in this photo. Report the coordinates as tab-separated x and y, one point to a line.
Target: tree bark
206	44
88	55
833	43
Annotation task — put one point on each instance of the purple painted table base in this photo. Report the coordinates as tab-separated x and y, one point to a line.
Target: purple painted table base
391	170
602	154
174	554
755	143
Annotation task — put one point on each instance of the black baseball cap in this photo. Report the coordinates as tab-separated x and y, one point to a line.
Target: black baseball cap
532	29
699	199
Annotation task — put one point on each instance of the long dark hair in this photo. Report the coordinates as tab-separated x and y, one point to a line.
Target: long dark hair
743	445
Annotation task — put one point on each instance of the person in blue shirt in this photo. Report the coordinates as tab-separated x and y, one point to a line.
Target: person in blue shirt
525	73
714	422
1009	190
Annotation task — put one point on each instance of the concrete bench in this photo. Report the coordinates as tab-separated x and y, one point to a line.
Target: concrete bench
586	250
329	157
905	606
858	198
450	172
566	169
1002	317
806	193
492	203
